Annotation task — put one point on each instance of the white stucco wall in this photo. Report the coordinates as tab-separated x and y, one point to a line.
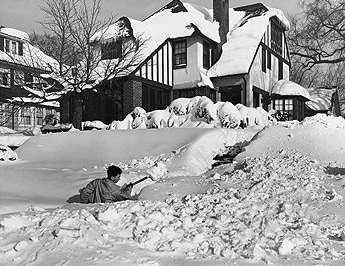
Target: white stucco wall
189	77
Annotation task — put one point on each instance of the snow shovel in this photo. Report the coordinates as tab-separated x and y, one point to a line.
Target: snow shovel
142	179
157	172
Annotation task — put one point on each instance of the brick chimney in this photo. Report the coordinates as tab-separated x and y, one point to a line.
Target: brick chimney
221	15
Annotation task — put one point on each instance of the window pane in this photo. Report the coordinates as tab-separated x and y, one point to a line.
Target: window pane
180	53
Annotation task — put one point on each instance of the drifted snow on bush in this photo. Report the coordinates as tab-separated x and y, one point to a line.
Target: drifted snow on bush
264	208
7	154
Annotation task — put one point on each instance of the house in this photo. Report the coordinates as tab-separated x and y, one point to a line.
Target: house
323	100
20	66
229	54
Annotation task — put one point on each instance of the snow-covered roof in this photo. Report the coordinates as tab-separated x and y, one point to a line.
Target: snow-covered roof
32	56
321	99
179	19
165	24
15	33
35	100
290	88
246	32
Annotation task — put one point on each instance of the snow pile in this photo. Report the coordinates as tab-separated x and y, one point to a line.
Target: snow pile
327	121
267	207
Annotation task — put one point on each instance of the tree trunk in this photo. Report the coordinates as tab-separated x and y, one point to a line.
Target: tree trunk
77	111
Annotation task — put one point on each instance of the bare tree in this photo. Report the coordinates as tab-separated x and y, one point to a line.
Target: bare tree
77	29
318	35
317	44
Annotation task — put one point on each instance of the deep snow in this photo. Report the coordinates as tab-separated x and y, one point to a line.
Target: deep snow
280	202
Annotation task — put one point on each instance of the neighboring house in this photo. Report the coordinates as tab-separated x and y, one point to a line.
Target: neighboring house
229	54
323	100
21	65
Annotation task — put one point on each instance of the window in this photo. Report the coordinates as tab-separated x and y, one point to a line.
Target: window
285	105
154	98
11	46
263	57
180	54
111	50
280	70
269	60
206	55
276	38
26	115
4	77
39	120
18	78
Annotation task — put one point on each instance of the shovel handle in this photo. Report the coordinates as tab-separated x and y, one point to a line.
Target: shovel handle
140	180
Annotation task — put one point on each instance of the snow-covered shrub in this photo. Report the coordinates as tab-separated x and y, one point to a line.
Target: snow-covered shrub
280	115
97	124
176	120
267	119
158	118
206	110
250	116
135	119
6	154
179	106
229	115
121	125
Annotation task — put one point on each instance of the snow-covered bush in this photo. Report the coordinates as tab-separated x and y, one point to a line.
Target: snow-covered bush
6	154
229	115
158	118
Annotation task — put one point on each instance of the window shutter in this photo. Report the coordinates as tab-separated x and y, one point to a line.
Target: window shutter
1	43
20	48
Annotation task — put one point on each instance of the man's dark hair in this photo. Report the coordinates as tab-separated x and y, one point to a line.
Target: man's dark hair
113	170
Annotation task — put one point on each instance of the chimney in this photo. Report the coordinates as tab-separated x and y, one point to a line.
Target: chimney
221	15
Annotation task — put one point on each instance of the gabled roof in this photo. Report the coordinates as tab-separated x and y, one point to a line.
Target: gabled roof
247	27
175	20
179	19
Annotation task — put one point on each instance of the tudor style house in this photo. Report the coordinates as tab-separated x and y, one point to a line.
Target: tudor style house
21	65
229	54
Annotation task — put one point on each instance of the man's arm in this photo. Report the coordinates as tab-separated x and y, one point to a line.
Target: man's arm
86	192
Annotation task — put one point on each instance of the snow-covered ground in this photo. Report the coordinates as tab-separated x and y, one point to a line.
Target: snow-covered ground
280	202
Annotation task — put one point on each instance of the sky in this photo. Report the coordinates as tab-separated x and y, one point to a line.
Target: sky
25	15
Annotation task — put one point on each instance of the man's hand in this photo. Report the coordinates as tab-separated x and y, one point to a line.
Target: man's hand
127	188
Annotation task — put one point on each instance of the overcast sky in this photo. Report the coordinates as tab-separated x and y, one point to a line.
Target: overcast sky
25	14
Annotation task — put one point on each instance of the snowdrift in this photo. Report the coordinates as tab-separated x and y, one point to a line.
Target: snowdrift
65	162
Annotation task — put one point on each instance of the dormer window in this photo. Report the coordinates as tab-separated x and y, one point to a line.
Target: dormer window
180	54
5	77
276	37
11	46
112	50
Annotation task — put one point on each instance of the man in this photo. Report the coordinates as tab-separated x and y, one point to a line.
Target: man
105	189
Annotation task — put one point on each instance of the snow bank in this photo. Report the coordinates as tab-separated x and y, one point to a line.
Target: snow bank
268	213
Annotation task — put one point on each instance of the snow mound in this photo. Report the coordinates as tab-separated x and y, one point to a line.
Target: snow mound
325	120
264	209
6	130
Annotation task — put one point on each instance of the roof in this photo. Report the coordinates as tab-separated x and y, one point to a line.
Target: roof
247	27
290	88
179	19
321	99
32	56
175	20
